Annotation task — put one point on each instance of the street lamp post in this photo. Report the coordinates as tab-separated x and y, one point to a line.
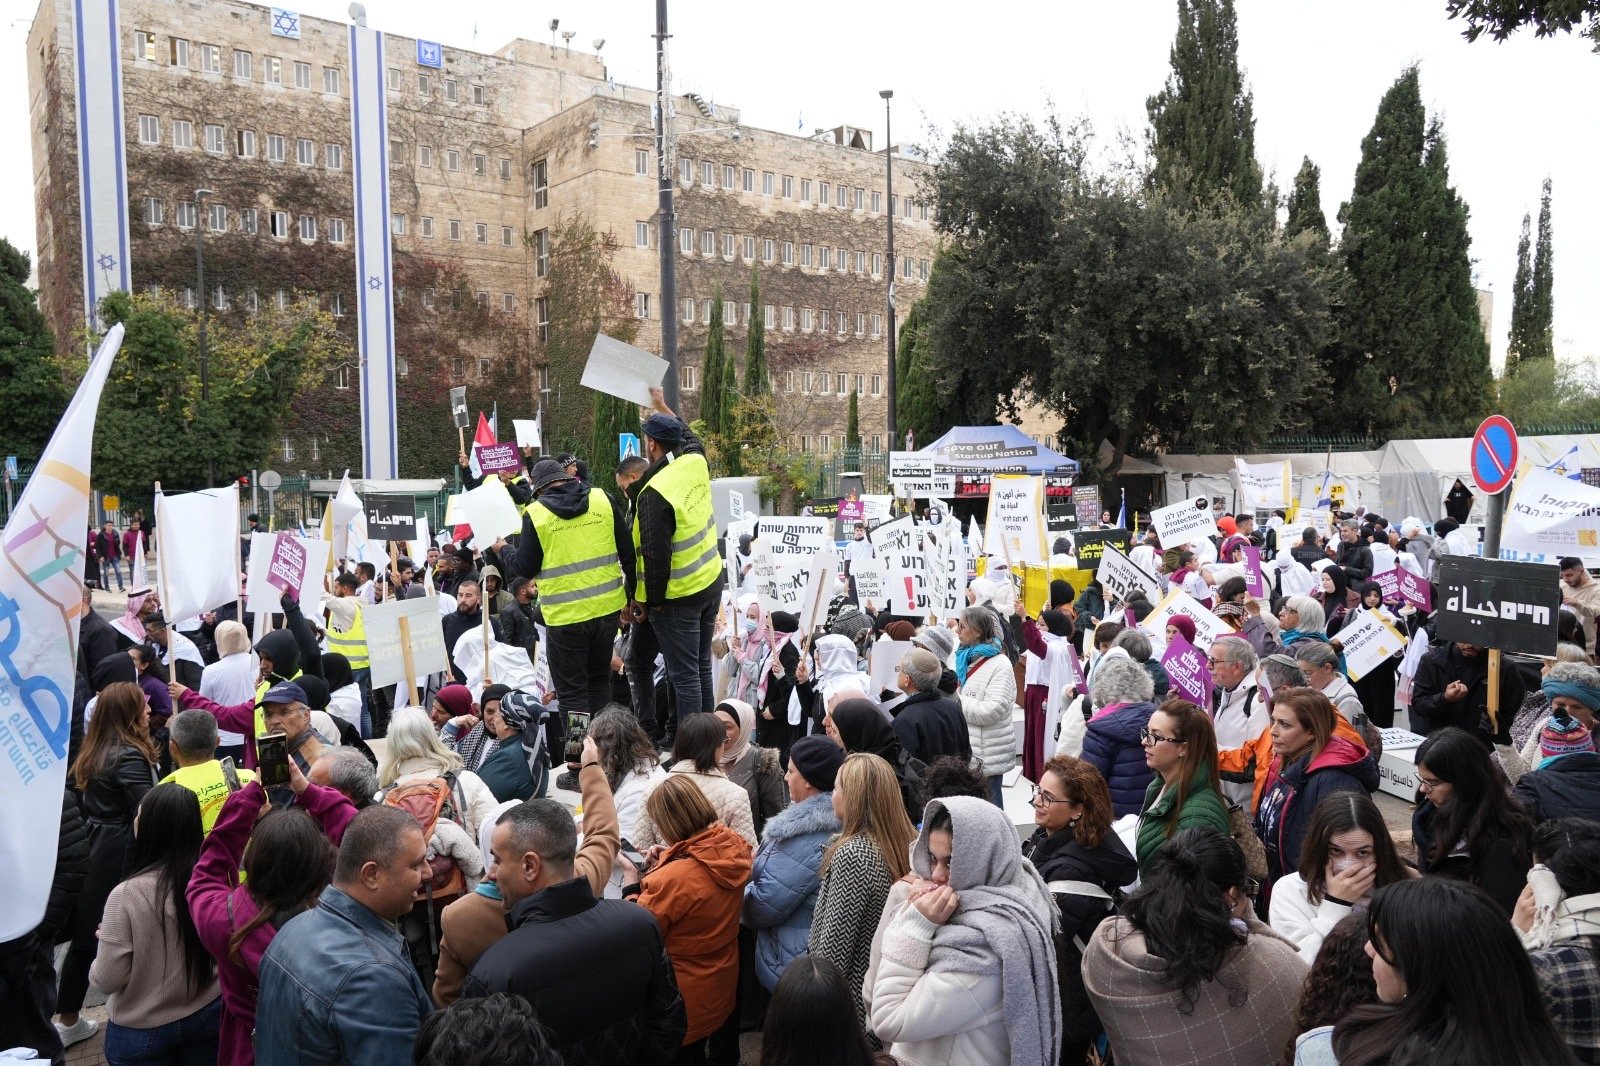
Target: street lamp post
668	222
200	292
888	167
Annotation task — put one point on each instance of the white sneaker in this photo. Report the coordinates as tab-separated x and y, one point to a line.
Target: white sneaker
77	1032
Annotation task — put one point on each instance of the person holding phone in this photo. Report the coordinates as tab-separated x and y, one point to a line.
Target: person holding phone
511	770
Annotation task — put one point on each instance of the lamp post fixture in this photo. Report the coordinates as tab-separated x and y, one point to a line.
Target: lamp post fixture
888	168
200	293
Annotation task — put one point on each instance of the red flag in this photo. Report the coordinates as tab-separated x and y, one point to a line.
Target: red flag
484	435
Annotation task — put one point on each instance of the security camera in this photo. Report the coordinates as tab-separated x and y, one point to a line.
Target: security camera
555	24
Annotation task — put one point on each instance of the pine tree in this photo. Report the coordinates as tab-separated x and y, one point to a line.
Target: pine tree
1519	339
612	417
1305	205
713	404
1457	386
1202	124
852	425
1532	303
1543	301
31	393
755	350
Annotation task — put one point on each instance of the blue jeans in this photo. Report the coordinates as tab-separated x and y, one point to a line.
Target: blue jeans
190	1041
363	680
115	566
997	794
681	632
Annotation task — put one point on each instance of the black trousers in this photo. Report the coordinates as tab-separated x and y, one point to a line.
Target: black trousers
580	662
28	991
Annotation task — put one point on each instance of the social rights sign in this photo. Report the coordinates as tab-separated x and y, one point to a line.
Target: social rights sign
1188	671
1368	641
1186	522
493	458
1120	576
1014	529
1496	604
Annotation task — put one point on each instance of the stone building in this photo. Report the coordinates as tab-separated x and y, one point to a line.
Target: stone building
489	152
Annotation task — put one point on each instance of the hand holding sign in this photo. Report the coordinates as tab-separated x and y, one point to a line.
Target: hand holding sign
287	570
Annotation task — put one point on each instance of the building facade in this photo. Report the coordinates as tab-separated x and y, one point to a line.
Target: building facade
489	154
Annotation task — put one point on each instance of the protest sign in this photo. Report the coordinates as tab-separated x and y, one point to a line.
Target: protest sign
945	557
1207	626
204	574
287	570
1091	545
1496	604
1120	576
1255	583
1405	585
527	431
1551	515
940	486
1368	641
884	664
907	576
778	581
851	511
424	646
621	370
875	508
491	512
794	538
1188	522
1086	499
1262	485
455	510
870	583
264	594
910	465
735	503
458	407
390	517
821	579
1188	671
1014	527
493	458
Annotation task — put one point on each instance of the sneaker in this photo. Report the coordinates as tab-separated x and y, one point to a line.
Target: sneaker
77	1032
567	781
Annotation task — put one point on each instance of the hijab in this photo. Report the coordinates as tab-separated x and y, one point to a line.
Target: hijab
457	699
336	670
745	715
1183	624
862	727
838	666
232	639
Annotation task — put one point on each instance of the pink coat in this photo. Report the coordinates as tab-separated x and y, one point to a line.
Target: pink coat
219	905
240	718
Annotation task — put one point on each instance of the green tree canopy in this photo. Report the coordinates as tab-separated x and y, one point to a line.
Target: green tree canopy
1501	18
713	401
31	391
1305	206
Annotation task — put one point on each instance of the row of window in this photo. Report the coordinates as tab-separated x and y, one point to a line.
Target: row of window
728	177
250	300
184	214
400	225
821	383
207	58
826	442
450	159
274	147
452	88
731	246
775	316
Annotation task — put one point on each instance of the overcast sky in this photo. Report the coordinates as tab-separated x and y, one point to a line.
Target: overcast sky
1513	113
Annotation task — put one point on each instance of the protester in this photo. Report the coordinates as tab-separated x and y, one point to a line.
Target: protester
497	1030
415	754
349	772
750	766
1558	916
27	962
780	898
1348	854
1238	709
1140	650
953	776
779	702
697	753
1565	781
337	982
809	1020
1465	826
452	702
230	680
1309	764
1455	985
161	984
192	741
1452	689
469	735
1048	681
561	935
871	852
465	622
345	702
1187	965
1579	592
1353	557
1322	664
518	767
1084	865
628	758
1340	979
858	725
114	770
1568	688
928	723
1112	742
963	965
1180	748
988	694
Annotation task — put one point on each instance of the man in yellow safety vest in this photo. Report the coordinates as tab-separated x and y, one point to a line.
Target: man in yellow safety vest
347	635
192	740
679	586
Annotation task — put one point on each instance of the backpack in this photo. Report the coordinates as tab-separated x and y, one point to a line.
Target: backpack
427	802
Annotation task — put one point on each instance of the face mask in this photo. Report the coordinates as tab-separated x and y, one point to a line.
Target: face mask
749	626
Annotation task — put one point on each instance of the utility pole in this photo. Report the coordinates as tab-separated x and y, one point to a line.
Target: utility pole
200	293
668	308
888	167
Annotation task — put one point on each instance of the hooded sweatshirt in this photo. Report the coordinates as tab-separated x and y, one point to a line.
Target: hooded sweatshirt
695	893
567	499
1293	792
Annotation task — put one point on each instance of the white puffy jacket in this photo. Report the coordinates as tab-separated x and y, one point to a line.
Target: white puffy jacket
1298	919
988	701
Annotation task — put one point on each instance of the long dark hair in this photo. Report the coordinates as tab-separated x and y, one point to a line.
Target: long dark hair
1196	731
1181	908
1340	979
699	740
117	724
1341	813
166	841
1471	995
1479	811
286	863
625	748
812	1019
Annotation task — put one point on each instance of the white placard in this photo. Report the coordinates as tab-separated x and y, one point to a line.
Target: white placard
1262	485
885	659
623	371
1207	626
1368	641
491	512
946	559
201	574
1551	515
870	579
791	538
455	512
527	430
1120	576
735	503
1187	522
263	596
936	486
875	508
910	465
1014	528
778	581
428	654
822	578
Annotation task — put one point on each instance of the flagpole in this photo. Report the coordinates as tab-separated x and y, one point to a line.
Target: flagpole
163	573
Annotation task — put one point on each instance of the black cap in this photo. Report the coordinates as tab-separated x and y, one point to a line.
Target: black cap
547	472
664	429
566	459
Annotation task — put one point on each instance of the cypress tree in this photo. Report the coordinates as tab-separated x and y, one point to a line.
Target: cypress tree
1456	391
1543	302
1202	123
755	349
1519	340
1305	205
852	424
713	402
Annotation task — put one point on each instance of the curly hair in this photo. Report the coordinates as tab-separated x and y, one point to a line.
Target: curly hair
1340	979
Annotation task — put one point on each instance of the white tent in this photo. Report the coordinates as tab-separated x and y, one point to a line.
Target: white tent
1189	476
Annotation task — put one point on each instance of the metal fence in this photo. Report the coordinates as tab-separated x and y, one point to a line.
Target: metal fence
872	466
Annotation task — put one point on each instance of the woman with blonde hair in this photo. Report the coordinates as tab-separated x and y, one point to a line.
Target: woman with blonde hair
860	865
415	753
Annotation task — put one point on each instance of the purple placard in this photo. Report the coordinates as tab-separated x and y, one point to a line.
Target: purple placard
852	511
288	567
1188	671
493	458
1415	591
1389	582
1079	682
1254	583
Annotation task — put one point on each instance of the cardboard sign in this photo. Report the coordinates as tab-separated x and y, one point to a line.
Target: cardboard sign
885	659
1255	583
1086	500
1188	671
493	458
821	580
870	582
458	407
794	538
1495	604
945	561
263	594
287	570
621	370
1369	640
1406	586
875	508
491	512
1207	626
898	547
1184	523
910	465
385	650
1120	576
735	503
527	431
1091	545
1014	529
391	517
779	582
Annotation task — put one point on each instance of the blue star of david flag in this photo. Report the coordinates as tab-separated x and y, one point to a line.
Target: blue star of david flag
285	23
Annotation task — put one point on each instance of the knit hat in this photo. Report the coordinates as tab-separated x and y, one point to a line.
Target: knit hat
1061	592
818	759
784	621
1564	736
900	629
936	639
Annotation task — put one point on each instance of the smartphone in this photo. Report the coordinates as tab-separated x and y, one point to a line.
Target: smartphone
577	729
272	752
230	775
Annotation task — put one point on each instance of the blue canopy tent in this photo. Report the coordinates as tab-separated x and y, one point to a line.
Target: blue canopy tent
973	453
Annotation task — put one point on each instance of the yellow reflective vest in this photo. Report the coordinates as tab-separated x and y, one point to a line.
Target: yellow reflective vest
352	642
581	576
685	483
205	780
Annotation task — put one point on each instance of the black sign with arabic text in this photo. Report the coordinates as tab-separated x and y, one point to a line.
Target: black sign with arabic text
1496	604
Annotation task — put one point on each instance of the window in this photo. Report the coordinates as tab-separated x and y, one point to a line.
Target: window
877	264
907	268
480	165
394	79
330	80
272	70
859	382
841	196
806	319
641	234
841	260
686	378
641	305
825	383
805	255
187	299
788	253
305	151
769	316
824	320
861	323
288	449
877	384
211	59
427	299
822	193
505	236
144	46
705	311
748	181
333	156
341	376
455	229
788	186
687	304
729	175
482	298
922	270
397	224
708	242
641	161
308	228
452	159
451	92
805	387
178	52
424	155
302	75
247	221
336	230
708	174
907	203
219	298
788	318
825	442
541	253
686	171
427	225
182	133
155	211
481	231
805	190
424	85
507	302
541	184
750	249
686	241
184	216
877	442
822	257
922	210
245	140
877	202
541	317
788	380
216	218
479	97
730	245
505	170
252	301
149	129
282	299
767	180
768	250
861	262
860	201
894	202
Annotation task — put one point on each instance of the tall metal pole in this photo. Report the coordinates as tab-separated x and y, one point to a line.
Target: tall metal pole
669	236
888	168
200	290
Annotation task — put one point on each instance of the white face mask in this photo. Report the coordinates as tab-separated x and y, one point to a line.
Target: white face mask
749	626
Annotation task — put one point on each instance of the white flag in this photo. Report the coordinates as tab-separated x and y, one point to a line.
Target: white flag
1262	485
196	570
347	512
41	607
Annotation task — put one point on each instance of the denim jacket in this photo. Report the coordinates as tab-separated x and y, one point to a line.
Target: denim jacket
338	986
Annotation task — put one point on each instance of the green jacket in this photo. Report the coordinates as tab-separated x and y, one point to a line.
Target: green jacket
1203	807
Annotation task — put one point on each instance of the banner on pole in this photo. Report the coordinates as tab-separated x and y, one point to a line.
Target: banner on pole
1494	604
384	650
1262	485
1120	576
202	576
1014	528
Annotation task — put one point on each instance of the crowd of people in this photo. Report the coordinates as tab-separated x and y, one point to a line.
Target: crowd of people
710	822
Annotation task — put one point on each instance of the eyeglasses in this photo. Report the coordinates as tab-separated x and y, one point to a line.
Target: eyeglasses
1150	736
1040	794
1252	887
1425	784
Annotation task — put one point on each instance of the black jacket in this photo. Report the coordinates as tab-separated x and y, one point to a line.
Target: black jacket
72	866
568	499
113	797
596	973
96	641
1502	871
930	725
1444	664
1307	554
1567	788
455	624
657	524
1355	560
514	626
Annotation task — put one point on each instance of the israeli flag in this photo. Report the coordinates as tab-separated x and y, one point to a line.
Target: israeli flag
1122	515
102	161
369	142
1568	466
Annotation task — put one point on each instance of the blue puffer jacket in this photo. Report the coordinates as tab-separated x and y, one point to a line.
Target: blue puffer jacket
783	886
1111	745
